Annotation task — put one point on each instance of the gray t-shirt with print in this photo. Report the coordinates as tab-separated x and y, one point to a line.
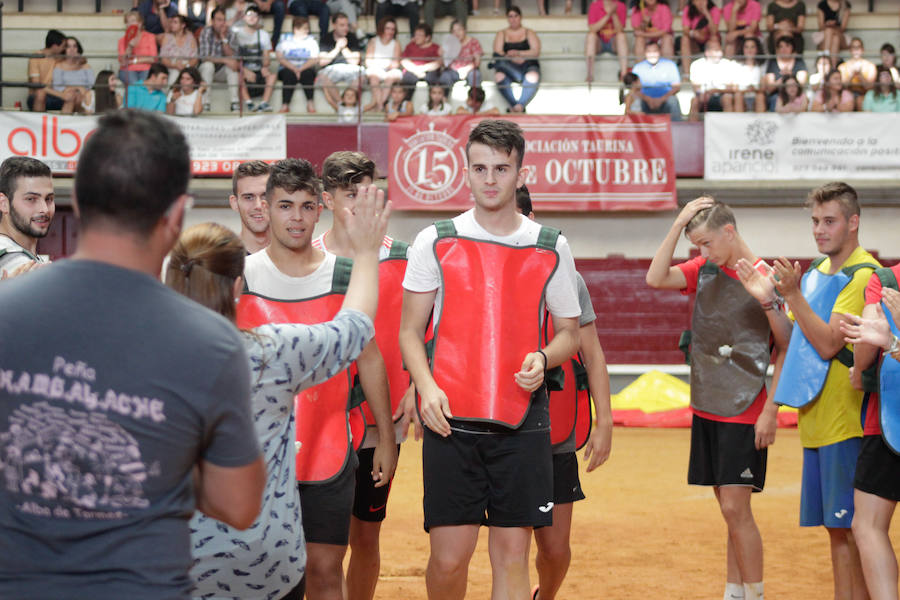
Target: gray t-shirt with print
112	387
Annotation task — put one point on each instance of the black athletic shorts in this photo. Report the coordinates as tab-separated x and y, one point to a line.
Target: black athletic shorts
725	454
488	478
257	85
566	485
878	469
326	506
370	502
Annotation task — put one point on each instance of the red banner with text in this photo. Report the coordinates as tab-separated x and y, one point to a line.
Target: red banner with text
573	163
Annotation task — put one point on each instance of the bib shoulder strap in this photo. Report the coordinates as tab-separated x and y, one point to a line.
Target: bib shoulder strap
341	277
445	228
709	268
398	249
814	264
547	238
851	270
886	275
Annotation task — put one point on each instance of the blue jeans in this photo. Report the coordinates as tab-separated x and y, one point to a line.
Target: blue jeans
670	106
450	76
303	8
129	77
516	72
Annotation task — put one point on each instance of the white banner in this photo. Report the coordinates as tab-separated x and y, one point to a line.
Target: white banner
828	146
217	145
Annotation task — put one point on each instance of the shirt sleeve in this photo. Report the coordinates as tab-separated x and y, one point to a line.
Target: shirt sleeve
231	439
562	293
312	354
873	290
588	315
422	270
691	270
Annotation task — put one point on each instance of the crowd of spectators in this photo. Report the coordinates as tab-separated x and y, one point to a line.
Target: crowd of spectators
754	53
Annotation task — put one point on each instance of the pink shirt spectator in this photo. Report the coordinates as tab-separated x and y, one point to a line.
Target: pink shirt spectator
146	46
596	12
661	20
750	13
467	54
846	97
689	23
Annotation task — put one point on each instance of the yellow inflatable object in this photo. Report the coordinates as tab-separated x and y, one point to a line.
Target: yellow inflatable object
653	391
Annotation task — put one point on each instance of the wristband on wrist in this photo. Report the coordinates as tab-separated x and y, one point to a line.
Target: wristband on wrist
541	352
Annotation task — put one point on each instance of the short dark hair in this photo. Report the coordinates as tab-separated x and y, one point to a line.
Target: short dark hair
477	94
651	42
713	218
425	28
299	22
499	135
345	169
786	39
156	69
15	167
338	15
888	47
292	174
217	10
251	168
523	200
515	9
839	192
132	169
54	37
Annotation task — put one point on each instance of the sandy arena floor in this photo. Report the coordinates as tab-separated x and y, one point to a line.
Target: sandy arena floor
641	533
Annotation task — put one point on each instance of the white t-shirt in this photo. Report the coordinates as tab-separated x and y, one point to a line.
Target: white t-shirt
252	44
423	273
383	252
184	105
747	76
264	278
708	75
298	51
444	109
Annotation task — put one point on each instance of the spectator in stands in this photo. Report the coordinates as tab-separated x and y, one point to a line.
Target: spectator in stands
699	23
543	11
748	81
785	63
652	22
348	109
883	97
186	97
857	72
833	97
741	22
711	78
156	14
399	8
791	98
445	8
397	105
40	71
218	51
72	77
823	68
303	8
234	10
785	18
475	104
351	8
462	57
833	16
438	105
150	94
137	49
253	47
104	97
660	82
195	13
516	50
383	62
421	60
298	56
888	61
630	93
178	48
276	9
606	33
339	55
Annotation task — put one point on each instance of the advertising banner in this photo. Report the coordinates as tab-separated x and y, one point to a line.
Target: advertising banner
573	163
802	146
217	145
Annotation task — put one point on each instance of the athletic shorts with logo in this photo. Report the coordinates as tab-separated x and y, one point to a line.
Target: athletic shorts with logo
370	502
826	493
490	474
725	453
566	484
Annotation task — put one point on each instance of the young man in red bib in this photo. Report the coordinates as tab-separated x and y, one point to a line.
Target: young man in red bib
487	275
343	174
291	281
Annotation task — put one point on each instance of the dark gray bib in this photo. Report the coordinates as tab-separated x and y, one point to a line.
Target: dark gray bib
729	345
